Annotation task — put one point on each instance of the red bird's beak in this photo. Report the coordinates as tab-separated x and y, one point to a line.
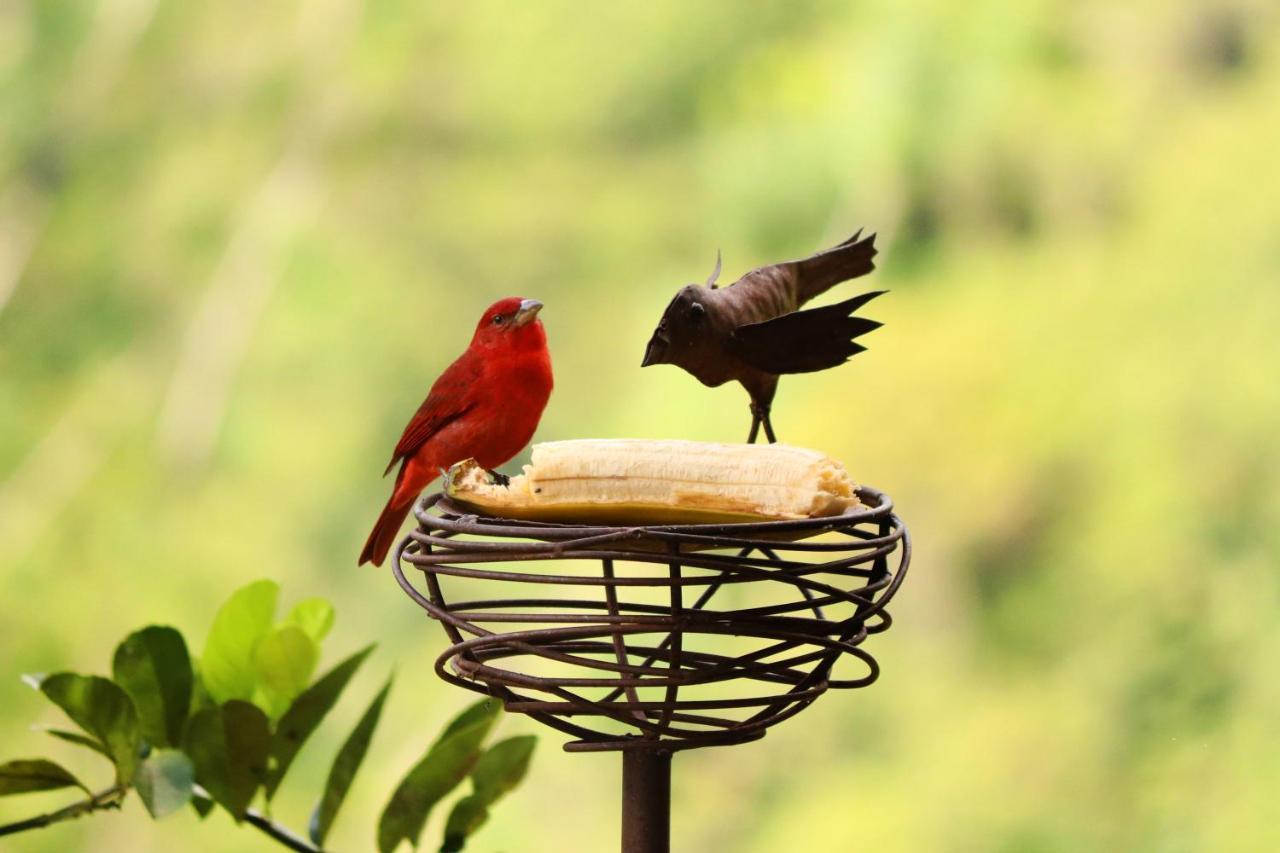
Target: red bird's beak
529	309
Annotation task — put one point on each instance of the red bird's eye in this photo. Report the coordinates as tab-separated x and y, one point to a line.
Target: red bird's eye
498	320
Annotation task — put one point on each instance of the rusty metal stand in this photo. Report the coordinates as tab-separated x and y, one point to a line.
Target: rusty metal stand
646	801
611	635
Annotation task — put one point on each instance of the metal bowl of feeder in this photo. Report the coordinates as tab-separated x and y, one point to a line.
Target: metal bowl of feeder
655	639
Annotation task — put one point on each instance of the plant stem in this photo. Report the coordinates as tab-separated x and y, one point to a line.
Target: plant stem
275	831
107	799
281	834
111	798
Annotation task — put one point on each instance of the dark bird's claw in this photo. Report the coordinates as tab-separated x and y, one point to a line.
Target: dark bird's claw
498	477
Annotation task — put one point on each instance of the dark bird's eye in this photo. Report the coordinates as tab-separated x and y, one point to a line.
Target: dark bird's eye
498	320
697	311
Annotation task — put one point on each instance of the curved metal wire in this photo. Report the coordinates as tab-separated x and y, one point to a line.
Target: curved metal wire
609	633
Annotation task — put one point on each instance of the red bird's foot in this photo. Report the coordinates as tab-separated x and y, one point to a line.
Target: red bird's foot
498	477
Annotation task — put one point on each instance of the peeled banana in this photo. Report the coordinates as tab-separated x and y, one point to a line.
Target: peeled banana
639	481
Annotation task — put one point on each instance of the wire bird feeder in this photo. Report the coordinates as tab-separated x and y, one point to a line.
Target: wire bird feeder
654	639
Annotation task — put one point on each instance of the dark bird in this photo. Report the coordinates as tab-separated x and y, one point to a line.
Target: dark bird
753	330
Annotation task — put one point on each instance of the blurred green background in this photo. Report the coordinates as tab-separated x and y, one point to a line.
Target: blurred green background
238	241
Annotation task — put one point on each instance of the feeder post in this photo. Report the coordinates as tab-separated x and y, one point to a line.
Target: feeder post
646	801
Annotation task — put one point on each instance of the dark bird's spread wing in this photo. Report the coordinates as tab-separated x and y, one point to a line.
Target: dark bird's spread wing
449	400
805	341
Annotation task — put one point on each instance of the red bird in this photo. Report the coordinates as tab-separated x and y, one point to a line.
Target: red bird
485	406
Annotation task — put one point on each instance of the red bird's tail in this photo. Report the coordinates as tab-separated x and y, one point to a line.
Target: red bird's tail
415	475
384	532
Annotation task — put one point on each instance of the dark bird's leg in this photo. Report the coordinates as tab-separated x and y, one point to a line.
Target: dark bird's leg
759	418
499	478
761	387
768	427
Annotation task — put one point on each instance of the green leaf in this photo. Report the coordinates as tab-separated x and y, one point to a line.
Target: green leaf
468	815
200	803
35	774
78	739
503	767
200	698
153	667
164	781
314	616
228	746
228	666
103	710
445	765
344	768
485	709
285	660
305	714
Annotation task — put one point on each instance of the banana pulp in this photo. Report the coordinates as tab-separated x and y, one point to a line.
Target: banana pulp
639	481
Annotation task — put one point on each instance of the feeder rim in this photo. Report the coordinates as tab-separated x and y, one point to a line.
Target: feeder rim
451	517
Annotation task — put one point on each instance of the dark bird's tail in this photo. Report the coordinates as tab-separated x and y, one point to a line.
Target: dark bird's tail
384	532
805	341
818	274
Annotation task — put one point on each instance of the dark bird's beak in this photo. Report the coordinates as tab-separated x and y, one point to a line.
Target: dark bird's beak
656	351
529	309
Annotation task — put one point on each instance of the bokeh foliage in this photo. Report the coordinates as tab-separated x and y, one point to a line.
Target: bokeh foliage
238	240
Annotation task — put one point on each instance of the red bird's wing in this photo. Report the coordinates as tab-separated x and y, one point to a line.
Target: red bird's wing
450	398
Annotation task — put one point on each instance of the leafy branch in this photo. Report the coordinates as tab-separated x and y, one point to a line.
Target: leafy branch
108	799
224	734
